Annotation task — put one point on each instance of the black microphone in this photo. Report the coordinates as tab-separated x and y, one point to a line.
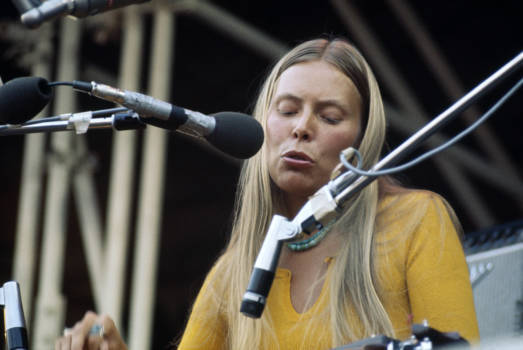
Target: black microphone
23	98
236	134
79	8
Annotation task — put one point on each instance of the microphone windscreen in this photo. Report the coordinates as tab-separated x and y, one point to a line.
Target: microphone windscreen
23	98
236	134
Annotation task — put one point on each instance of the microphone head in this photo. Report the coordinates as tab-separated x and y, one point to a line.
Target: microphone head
236	134
23	98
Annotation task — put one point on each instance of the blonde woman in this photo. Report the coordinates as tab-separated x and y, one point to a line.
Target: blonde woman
392	258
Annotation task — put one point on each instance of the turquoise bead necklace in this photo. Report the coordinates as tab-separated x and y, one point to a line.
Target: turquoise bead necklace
311	241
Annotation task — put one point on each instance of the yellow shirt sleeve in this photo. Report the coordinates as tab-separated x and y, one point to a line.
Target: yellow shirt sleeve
437	276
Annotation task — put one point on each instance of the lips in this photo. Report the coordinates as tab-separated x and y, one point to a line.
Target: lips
296	158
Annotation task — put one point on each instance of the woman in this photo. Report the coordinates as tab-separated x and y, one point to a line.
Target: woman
392	258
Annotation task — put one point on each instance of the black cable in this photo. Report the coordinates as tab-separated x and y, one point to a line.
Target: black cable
56	83
436	150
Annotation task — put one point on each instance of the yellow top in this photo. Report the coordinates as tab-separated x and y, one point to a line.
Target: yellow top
422	271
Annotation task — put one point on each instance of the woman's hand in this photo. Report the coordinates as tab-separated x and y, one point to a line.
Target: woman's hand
91	333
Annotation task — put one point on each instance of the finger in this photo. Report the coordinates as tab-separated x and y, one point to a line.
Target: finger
81	330
94	342
96	334
109	327
67	331
112	337
109	344
63	343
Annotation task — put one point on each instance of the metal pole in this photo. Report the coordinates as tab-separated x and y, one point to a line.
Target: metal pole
89	217
31	186
469	160
122	172
151	190
50	303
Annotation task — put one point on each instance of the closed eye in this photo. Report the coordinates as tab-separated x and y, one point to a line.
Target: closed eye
287	112
330	119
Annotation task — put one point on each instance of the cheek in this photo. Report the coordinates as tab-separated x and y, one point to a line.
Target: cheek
276	131
342	141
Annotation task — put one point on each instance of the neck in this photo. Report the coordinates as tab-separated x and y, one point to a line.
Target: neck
293	204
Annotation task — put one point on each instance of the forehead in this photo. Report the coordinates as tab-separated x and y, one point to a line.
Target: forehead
317	80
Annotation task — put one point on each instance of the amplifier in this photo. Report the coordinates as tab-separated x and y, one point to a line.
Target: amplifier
495	260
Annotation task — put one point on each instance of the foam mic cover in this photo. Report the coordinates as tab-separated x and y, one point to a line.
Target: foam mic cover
23	98
236	134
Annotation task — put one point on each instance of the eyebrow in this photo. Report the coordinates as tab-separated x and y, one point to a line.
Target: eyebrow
287	96
322	103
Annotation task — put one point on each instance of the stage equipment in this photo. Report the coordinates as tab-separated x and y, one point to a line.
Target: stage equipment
236	134
14	319
23	98
119	119
423	338
495	259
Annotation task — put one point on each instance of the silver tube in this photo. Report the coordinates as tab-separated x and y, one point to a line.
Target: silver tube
13	309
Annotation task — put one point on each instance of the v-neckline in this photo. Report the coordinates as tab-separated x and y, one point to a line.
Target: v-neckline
286	275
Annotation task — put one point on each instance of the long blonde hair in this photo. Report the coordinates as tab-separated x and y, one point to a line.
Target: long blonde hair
354	290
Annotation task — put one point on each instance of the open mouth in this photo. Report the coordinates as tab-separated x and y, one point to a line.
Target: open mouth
297	157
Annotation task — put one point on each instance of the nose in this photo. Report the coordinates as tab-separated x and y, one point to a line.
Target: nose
304	127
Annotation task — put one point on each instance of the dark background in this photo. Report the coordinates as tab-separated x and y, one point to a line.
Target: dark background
213	73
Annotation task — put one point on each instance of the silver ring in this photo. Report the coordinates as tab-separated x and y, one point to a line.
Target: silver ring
98	330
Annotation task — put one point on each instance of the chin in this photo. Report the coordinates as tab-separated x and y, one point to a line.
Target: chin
297	183
298	188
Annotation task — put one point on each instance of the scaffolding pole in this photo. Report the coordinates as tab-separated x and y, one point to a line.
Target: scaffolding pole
50	303
122	172
150	203
88	211
31	186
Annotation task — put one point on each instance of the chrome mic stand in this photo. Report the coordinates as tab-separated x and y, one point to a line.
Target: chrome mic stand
120	119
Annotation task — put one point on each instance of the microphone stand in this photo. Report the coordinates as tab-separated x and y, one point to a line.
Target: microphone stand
121	119
329	200
14	320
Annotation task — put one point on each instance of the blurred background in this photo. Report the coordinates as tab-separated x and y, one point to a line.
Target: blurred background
212	56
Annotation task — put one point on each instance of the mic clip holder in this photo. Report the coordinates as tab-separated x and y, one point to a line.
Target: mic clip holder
254	299
317	212
14	320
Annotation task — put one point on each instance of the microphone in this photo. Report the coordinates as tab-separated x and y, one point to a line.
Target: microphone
79	8
23	98
14	320
236	134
